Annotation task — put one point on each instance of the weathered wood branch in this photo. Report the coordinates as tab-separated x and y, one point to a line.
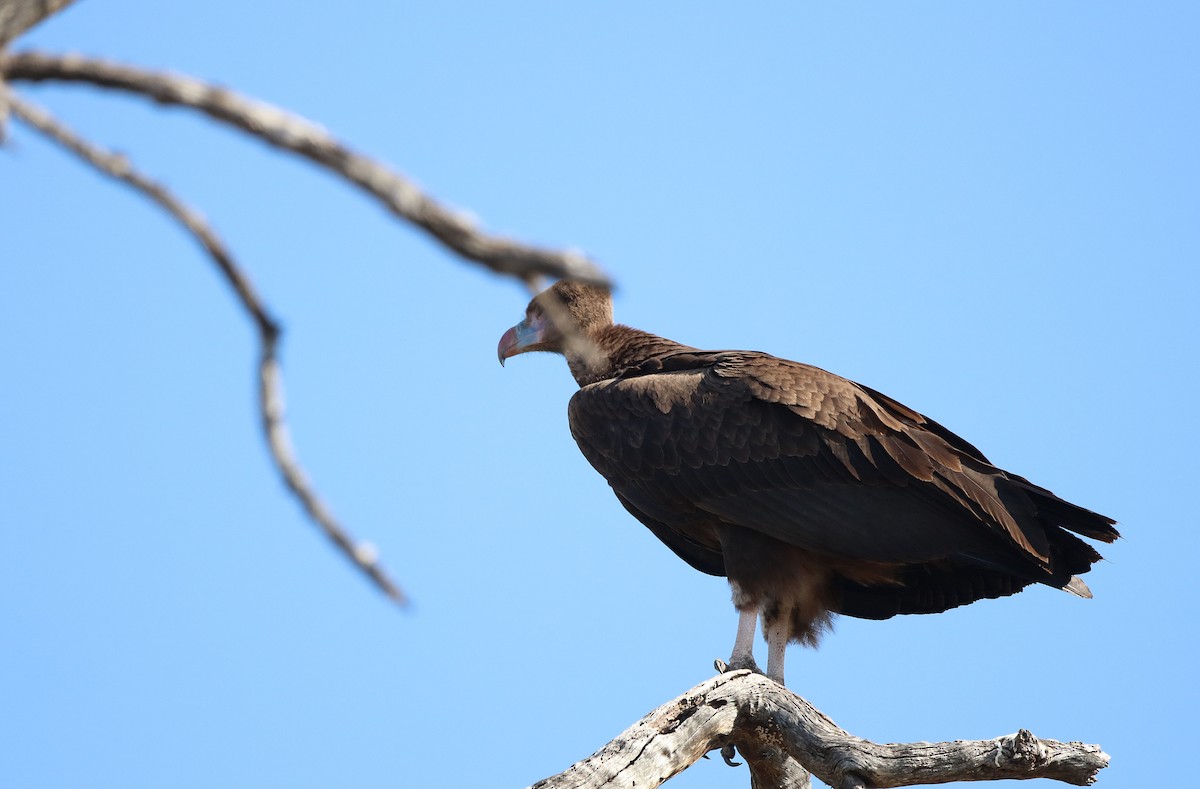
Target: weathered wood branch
275	428
770	726
289	132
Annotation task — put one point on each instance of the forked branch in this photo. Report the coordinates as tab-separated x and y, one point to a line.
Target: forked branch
772	726
270	384
288	132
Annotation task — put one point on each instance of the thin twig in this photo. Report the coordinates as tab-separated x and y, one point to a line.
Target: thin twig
284	130
270	383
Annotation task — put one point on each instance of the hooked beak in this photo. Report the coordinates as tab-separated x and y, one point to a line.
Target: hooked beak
525	336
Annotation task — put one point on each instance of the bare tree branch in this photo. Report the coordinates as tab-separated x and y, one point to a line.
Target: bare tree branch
298	135
270	382
767	722
292	133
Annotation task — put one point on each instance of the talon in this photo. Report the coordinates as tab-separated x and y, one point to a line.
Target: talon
727	753
734	665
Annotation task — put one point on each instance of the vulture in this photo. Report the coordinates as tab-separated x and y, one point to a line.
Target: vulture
814	495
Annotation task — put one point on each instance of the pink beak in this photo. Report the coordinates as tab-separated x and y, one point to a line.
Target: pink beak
518	339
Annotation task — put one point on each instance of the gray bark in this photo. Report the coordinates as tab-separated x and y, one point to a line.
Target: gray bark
779	732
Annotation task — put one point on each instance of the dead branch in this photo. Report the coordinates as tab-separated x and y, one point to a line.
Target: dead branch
289	132
270	382
771	726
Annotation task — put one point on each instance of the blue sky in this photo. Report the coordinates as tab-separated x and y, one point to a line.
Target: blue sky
988	211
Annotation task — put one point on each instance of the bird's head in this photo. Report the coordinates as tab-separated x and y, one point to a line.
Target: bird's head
560	319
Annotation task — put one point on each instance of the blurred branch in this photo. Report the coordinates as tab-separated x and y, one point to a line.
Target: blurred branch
17	16
575	342
282	130
295	134
771	727
270	383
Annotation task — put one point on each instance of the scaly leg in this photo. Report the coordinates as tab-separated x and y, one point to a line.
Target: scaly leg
777	638
743	645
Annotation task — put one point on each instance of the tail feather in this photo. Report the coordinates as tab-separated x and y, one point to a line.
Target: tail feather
1071	516
1077	587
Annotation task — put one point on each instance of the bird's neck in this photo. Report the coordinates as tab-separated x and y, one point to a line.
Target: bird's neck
611	349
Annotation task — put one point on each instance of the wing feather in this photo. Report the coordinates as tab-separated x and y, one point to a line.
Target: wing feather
802	455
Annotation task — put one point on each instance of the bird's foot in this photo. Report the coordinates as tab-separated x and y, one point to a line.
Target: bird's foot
733	665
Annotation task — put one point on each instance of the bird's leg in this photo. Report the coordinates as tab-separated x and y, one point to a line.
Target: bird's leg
743	644
777	638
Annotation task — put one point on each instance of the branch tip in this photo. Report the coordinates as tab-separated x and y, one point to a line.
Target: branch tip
270	379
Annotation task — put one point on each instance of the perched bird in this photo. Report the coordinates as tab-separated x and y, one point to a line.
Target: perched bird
813	494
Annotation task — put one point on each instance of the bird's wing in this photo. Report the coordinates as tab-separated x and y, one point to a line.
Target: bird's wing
799	454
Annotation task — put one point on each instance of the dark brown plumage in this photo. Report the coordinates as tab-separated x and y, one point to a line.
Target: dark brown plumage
813	494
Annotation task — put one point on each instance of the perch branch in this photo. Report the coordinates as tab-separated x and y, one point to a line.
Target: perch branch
292	133
769	723
270	384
